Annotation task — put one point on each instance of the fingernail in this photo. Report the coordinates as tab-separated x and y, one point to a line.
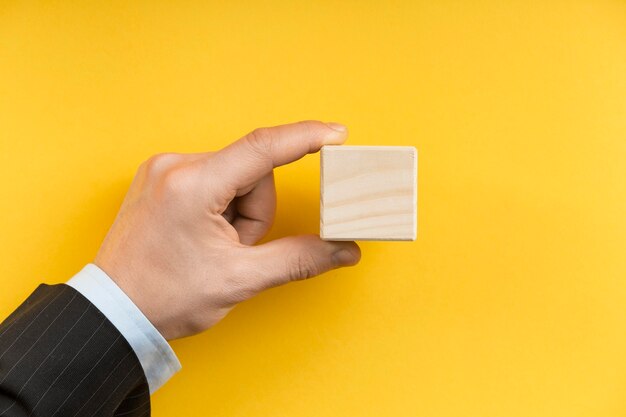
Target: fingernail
344	257
337	126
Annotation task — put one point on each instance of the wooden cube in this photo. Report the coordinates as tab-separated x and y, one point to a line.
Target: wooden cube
368	193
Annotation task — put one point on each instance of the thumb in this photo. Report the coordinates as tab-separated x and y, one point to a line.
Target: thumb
299	257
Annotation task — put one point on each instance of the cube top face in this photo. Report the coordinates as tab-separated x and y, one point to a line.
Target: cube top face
368	193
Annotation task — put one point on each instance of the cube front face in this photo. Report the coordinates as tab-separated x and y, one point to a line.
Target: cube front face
368	193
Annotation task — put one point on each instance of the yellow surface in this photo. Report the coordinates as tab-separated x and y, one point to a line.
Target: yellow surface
512	302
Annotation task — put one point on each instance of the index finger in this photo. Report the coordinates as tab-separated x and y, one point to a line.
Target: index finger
249	159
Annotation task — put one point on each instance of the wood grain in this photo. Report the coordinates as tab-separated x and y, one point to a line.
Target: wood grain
368	193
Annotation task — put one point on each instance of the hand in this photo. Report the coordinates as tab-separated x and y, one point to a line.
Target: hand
181	246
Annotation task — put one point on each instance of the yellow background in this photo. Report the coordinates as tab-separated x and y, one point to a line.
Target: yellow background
512	302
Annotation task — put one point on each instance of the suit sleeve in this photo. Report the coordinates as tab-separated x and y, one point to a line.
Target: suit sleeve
61	357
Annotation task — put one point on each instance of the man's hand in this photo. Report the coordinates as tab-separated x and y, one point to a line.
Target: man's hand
182	247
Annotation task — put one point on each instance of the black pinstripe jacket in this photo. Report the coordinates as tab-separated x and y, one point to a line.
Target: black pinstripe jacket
61	357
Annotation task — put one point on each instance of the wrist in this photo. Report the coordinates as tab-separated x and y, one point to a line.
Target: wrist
156	356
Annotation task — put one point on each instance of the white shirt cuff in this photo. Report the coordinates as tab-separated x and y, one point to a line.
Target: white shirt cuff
157	358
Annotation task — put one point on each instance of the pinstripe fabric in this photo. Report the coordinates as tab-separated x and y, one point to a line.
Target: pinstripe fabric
61	357
158	360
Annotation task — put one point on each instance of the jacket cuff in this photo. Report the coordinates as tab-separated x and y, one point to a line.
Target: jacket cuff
157	358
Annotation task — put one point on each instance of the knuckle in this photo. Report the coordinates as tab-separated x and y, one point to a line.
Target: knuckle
312	127
157	164
177	180
314	130
309	126
148	166
303	265
260	141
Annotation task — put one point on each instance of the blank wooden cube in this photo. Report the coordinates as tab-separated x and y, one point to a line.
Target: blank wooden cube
368	193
